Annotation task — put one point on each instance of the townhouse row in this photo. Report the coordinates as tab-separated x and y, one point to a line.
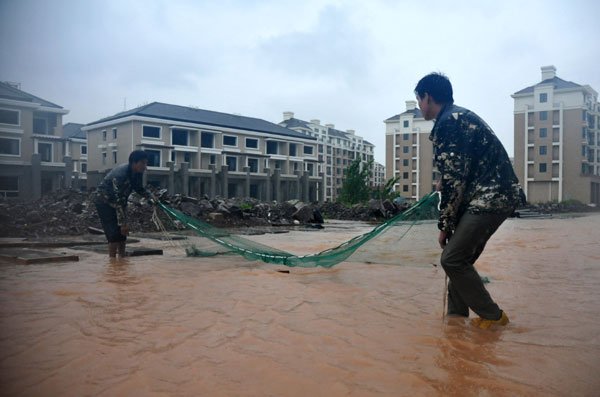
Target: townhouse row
191	151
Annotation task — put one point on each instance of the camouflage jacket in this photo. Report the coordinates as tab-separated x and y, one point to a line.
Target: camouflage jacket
477	176
115	188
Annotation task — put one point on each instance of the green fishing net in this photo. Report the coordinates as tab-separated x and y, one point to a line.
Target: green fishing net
379	245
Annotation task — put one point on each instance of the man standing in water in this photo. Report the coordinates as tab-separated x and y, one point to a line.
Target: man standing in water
111	200
479	190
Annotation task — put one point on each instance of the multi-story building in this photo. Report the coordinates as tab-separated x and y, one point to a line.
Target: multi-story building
379	175
557	151
409	153
196	151
337	150
34	157
77	144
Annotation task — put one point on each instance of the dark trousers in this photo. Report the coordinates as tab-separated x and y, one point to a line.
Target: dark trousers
108	219
466	290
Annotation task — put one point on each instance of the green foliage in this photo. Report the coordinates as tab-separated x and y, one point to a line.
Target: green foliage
246	206
387	193
355	186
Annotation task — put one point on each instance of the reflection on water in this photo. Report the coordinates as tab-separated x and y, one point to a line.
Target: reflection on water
225	326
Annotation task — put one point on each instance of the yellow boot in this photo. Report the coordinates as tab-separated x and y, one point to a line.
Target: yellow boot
485	324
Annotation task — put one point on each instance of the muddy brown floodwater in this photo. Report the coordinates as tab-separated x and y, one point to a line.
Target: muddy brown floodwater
173	325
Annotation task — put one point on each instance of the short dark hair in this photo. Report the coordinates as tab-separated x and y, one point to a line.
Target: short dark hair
137	155
437	86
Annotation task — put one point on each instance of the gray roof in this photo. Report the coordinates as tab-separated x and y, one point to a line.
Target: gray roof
556	81
416	112
367	143
192	115
9	92
73	130
334	132
295	123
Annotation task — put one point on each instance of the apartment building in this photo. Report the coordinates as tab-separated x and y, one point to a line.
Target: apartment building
34	156
77	146
197	152
557	150
336	150
409	153
379	175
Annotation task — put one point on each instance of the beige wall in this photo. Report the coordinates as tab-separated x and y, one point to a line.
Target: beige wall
575	186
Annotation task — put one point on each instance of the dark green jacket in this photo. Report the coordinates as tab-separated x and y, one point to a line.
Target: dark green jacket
477	176
115	188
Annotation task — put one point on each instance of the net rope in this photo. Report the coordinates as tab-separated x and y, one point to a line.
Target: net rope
230	243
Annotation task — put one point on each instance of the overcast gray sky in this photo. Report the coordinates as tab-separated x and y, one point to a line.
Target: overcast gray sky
349	63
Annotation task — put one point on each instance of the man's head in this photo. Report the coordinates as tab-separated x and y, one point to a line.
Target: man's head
138	161
433	92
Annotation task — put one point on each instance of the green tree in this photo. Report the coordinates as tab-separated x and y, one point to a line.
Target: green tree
388	190
355	186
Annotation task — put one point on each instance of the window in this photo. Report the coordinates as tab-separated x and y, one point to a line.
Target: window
405	162
543	150
544	115
405	149
179	137
83	150
310	168
253	164
9	186
271	147
293	149
405	123
584	151
154	159
405	137
173	156
45	150
543	132
103	158
187	157
543	98
308	150
10	146
405	188
149	131
405	175
212	160
542	167
231	162
252	143
114	157
229	140
11	117
207	140
83	168
40	126
114	133
104	135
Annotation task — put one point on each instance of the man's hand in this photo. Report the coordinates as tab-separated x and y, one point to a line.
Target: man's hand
444	238
124	230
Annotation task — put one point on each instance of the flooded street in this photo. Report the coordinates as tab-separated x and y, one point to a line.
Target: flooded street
172	325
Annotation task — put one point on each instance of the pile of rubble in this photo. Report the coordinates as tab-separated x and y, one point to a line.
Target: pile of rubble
71	212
